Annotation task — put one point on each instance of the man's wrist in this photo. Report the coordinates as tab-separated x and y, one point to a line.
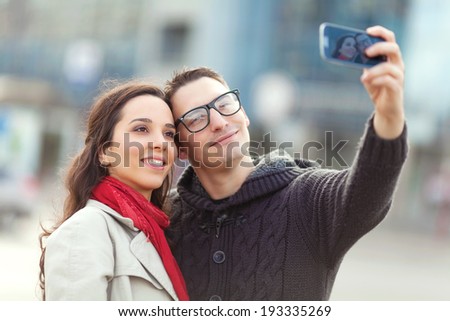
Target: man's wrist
389	127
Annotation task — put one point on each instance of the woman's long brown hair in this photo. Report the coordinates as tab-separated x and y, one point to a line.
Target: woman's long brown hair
85	170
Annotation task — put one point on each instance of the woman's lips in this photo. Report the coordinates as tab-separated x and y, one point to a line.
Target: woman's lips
154	162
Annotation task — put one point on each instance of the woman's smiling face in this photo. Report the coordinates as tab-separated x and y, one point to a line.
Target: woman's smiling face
142	150
348	48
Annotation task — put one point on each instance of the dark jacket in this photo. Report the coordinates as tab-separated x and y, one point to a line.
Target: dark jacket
284	234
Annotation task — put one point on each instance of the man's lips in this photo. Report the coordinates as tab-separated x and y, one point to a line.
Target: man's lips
224	138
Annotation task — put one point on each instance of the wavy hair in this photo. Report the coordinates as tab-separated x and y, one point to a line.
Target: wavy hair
85	170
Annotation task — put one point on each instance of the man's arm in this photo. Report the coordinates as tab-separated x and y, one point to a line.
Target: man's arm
384	84
344	205
335	208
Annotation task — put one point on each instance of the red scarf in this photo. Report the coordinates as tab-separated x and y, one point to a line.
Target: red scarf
146	217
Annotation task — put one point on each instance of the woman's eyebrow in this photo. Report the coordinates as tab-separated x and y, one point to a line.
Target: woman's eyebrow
148	120
145	120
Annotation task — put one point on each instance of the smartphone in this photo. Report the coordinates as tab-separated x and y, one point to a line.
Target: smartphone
345	46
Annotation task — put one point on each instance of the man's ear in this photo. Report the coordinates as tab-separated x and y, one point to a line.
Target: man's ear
247	120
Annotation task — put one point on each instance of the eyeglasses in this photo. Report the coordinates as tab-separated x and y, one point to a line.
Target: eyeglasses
198	118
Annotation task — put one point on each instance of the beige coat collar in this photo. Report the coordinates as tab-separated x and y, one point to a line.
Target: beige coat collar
143	250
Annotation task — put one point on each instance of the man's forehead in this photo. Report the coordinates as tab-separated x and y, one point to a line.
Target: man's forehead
197	93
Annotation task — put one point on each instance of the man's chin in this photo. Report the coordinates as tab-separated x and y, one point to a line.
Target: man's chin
221	158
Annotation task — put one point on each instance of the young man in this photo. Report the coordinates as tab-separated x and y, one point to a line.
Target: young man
362	43
276	228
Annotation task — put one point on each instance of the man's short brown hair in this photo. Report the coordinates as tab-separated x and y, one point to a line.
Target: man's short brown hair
186	75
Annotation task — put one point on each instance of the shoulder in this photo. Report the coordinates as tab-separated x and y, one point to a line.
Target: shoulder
93	214
91	222
176	214
173	203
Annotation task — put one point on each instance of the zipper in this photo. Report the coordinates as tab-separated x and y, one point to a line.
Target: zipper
220	220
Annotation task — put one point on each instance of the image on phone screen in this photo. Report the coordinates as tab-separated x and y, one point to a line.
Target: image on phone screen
346	46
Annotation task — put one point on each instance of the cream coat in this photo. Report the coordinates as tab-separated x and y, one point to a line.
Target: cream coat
97	254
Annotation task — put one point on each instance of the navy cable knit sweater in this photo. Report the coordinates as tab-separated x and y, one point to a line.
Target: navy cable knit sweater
284	234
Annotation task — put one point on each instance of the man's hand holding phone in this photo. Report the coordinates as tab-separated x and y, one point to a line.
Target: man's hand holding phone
377	52
384	84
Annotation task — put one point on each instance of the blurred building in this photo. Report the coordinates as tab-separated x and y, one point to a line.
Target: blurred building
263	47
36	134
254	42
71	44
76	44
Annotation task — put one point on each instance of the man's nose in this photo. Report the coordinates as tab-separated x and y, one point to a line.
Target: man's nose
216	120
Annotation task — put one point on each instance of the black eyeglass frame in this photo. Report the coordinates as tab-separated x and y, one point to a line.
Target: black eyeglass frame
208	107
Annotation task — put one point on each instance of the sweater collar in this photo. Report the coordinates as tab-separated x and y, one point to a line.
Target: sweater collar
272	172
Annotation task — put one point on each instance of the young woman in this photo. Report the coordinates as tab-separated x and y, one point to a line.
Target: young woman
345	48
110	243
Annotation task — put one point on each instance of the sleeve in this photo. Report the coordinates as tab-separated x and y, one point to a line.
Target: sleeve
79	259
339	207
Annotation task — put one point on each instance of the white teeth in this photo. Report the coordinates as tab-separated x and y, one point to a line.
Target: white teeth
155	162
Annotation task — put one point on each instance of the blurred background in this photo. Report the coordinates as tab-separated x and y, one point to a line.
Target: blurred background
55	54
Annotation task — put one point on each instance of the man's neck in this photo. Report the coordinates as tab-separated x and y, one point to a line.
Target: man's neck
220	183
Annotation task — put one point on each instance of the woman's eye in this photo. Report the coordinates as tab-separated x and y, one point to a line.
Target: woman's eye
141	129
170	134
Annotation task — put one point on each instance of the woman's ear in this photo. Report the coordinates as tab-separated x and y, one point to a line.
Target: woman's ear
105	157
103	160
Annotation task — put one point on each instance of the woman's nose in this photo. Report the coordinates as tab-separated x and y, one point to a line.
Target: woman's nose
159	142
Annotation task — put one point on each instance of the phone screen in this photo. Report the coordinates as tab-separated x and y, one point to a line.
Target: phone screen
346	46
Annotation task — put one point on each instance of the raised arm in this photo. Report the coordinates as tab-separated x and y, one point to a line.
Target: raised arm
384	84
344	205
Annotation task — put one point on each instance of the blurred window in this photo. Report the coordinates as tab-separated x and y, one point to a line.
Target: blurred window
174	42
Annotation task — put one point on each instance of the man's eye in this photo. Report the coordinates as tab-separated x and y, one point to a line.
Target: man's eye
194	120
225	104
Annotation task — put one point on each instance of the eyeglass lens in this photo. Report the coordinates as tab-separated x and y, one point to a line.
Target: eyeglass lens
198	119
